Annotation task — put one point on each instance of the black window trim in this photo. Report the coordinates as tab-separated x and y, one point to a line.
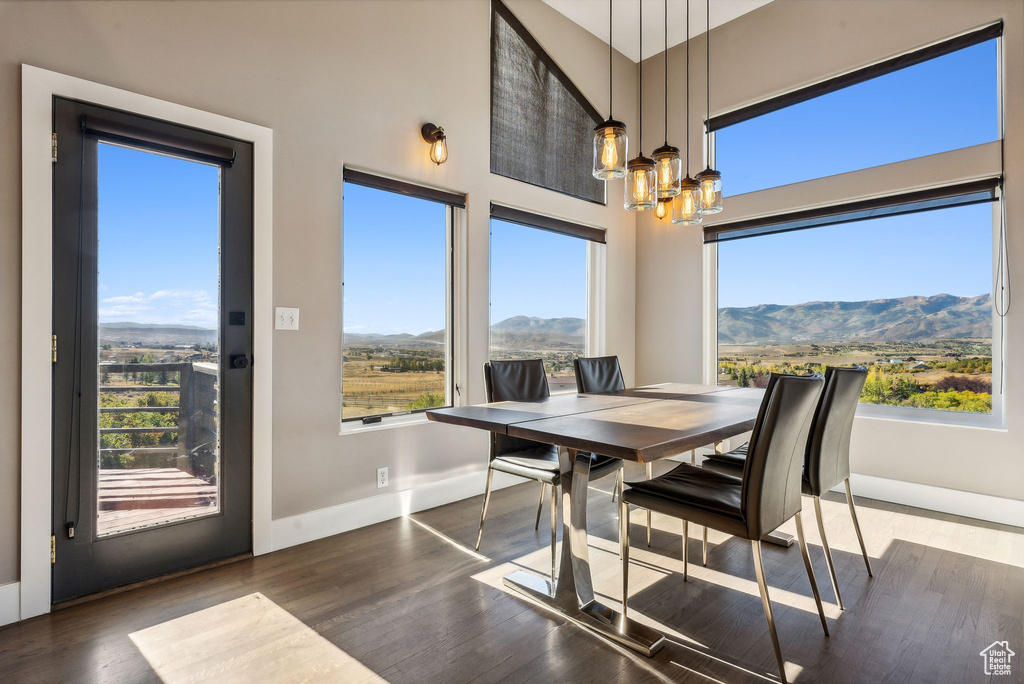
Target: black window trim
371	180
530	219
830	85
955	195
430	194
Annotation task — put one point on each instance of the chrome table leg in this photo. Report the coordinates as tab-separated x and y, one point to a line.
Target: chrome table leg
572	594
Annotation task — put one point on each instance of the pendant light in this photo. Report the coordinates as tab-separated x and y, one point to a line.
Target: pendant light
610	142
667	163
641	179
687	204
709	179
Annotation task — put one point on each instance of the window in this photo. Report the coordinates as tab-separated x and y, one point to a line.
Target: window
948	102
539	294
899	281
397	321
907	296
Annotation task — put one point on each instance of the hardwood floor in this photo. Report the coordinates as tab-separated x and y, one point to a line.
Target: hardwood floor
409	601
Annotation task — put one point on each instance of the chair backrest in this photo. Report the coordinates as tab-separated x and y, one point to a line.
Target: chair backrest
515	380
827	462
598	374
772	472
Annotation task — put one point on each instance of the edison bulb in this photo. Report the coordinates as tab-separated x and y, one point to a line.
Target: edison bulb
686	206
670	170
641	180
711	191
439	151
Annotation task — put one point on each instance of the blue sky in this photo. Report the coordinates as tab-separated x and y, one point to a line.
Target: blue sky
159	241
944	104
159	220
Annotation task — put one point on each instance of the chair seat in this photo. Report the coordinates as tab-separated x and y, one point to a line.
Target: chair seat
732	462
541	463
696	487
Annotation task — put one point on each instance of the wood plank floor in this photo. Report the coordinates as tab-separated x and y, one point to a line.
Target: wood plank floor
407	601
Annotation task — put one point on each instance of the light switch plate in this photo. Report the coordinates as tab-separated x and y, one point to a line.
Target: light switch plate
286	318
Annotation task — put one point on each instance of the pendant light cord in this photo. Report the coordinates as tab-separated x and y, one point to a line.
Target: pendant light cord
687	36
666	73
640	85
611	70
707	84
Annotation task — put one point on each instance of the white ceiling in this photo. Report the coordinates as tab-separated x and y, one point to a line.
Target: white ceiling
593	16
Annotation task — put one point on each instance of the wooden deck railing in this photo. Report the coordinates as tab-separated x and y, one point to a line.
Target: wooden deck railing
195	443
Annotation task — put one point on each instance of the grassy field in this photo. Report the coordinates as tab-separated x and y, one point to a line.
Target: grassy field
953	375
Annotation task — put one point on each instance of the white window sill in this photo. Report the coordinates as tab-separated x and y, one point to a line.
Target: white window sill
357	427
989	421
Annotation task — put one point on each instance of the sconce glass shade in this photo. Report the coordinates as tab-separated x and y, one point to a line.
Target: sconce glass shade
669	166
641	182
610	150
710	190
438	142
687	204
439	151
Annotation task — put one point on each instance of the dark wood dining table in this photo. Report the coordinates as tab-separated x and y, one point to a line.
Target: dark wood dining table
642	424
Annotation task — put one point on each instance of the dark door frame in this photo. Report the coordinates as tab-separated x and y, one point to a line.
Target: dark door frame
39	87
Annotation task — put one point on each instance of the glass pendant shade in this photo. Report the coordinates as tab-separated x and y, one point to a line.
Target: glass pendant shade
686	206
641	183
710	190
669	166
610	150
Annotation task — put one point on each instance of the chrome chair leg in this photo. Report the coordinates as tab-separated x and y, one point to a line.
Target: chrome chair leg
624	552
704	547
686	548
856	526
828	551
762	586
540	505
650	475
483	511
810	571
554	530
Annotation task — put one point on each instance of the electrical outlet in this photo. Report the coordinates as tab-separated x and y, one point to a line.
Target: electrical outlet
286	318
382	477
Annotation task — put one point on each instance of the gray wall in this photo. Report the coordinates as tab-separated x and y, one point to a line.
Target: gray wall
775	49
340	83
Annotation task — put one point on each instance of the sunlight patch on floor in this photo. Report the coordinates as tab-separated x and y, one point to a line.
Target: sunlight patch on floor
451	542
249	639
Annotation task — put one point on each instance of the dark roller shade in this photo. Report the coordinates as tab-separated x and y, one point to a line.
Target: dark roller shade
554	225
854	77
156	140
403	188
959	195
542	127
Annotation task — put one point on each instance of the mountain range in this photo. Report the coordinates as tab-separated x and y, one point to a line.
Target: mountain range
877	320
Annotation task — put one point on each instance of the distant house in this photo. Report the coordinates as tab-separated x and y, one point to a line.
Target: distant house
895	360
918	365
561	383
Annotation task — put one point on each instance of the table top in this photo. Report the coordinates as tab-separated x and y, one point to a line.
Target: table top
641	424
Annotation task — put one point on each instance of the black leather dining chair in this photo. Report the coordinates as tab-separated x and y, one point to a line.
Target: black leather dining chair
827	458
525	380
751	506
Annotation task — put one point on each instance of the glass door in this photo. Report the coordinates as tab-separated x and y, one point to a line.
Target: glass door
153	281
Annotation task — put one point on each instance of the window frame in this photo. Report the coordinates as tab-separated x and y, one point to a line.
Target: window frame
455	213
596	269
764	203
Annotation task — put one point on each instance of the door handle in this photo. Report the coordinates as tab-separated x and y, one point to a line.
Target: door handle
239	361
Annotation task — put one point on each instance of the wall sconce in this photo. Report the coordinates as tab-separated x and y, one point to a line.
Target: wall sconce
438	144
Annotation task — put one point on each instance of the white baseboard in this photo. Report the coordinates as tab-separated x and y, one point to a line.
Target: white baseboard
10	603
325	522
956	502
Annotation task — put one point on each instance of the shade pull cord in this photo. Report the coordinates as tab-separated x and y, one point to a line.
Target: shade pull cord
71	516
